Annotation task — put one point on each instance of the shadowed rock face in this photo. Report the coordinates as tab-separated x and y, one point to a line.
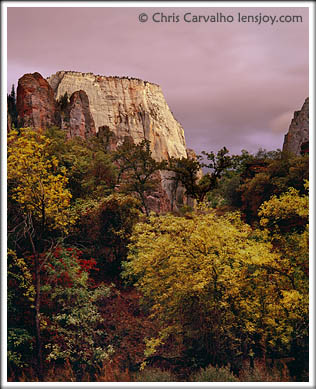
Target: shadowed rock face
36	104
298	130
38	108
76	118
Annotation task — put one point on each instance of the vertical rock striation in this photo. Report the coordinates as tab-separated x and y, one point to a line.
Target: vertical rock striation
134	108
99	104
128	107
76	116
298	131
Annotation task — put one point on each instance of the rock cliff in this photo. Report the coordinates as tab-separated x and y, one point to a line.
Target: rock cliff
129	107
125	106
36	104
297	135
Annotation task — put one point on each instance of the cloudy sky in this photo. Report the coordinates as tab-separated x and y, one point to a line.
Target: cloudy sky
230	81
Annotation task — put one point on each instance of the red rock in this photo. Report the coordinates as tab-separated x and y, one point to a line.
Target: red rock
36	103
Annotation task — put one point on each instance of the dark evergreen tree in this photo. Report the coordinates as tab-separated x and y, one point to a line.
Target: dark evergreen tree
137	169
12	110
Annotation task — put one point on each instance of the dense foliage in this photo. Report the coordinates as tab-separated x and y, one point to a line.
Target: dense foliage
249	297
101	288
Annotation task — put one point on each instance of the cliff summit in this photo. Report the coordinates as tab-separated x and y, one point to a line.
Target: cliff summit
296	139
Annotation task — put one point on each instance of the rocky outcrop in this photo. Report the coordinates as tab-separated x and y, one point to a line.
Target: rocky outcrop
128	107
297	135
123	107
38	108
36	104
134	108
76	116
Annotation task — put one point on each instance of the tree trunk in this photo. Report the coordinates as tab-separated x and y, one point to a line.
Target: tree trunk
142	196
37	319
37	311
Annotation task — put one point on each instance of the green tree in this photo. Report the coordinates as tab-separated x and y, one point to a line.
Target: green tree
137	169
264	178
74	323
20	295
90	171
12	110
104	228
188	172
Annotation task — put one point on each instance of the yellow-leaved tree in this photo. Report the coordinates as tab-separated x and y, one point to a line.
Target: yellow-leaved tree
213	284
198	274
38	191
285	223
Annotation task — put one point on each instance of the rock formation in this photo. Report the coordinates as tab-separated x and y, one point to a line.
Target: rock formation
129	107
296	139
76	118
36	104
100	104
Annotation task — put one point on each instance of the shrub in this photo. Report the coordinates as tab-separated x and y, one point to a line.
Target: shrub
214	374
155	375
261	373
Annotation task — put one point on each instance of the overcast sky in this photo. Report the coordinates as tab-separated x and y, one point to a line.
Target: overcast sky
232	83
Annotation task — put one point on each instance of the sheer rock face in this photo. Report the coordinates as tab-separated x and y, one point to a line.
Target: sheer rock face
298	130
129	107
135	108
36	104
98	104
76	117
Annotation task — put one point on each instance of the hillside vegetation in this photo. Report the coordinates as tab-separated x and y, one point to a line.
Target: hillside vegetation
100	288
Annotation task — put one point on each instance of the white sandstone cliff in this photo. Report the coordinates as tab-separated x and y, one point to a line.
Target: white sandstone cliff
129	107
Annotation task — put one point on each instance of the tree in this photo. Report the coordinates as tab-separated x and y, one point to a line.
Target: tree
41	199
137	169
284	219
219	289
75	326
264	178
103	229
21	294
188	172
63	101
91	173
12	110
201	264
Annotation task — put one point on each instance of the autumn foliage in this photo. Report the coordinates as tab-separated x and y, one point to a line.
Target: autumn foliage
102	289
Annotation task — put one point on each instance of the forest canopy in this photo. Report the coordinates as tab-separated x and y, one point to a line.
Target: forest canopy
104	286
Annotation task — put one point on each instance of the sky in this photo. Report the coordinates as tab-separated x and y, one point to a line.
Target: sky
230	81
